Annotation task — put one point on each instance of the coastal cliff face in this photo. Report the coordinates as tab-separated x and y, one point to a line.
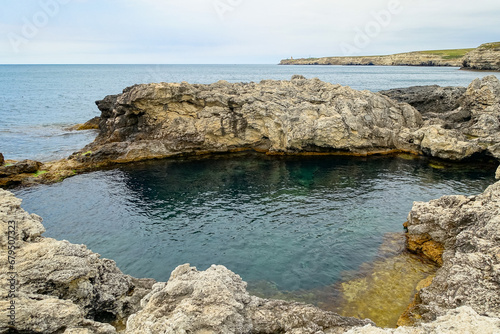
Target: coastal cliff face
297	116
400	59
486	57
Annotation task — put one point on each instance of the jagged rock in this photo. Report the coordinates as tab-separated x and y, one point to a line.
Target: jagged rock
58	284
462	320
166	119
216	301
485	57
431	101
25	166
2	160
468	232
91	124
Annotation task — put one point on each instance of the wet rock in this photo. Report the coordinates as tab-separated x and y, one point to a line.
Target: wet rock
468	230
216	301
92	124
25	166
60	285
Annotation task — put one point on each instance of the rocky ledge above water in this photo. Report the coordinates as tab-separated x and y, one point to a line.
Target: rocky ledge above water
59	287
300	116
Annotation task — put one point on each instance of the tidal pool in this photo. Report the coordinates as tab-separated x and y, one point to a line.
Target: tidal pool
286	225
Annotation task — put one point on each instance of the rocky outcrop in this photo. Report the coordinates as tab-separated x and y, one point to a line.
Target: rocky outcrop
168	119
464	232
400	59
485	57
2	160
17	173
55	286
91	124
216	301
431	101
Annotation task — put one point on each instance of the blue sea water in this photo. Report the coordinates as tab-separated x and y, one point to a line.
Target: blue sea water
39	102
299	222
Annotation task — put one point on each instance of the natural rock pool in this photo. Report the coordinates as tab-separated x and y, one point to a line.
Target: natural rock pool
292	226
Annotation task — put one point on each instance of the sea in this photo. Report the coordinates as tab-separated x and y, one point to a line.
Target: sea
298	223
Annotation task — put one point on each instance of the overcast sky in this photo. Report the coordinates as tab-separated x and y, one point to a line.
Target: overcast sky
235	31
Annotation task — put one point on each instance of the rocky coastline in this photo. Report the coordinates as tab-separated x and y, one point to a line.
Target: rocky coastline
485	57
65	288
300	116
57	287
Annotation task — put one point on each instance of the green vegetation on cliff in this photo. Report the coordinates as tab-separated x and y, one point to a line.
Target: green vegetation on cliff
448	54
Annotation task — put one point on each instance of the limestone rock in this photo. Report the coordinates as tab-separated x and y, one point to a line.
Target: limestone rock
400	59
91	124
58	284
468	228
166	119
216	301
485	57
430	101
462	320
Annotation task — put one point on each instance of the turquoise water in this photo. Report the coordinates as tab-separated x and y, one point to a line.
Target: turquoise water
298	222
39	102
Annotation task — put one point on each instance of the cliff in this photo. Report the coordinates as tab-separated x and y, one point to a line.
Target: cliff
485	57
425	58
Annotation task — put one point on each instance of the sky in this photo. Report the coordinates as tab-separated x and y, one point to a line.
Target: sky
235	31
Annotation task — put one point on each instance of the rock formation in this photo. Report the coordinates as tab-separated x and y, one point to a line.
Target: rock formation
58	286
400	59
300	116
485	57
216	301
2	160
167	119
463	234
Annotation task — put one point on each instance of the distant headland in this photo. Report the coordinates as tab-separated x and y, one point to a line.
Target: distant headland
485	57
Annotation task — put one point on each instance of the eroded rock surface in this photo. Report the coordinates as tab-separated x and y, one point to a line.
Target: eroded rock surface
57	285
467	233
216	301
485	57
166	119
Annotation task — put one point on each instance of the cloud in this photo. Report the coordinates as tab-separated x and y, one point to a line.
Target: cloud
237	31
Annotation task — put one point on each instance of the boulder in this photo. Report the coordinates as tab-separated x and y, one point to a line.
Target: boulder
216	301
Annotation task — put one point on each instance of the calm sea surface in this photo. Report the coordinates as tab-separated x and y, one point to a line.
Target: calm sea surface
299	222
39	102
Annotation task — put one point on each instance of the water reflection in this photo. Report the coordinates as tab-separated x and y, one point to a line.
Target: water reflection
300	223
